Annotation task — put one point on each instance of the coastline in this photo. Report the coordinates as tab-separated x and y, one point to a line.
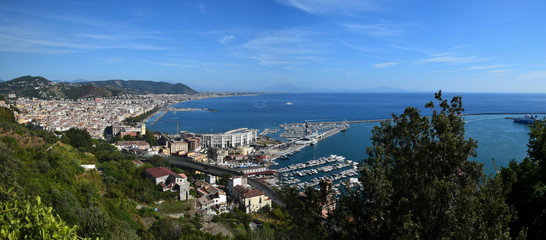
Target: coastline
169	107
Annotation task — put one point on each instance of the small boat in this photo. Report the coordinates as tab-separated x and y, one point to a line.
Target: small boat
289	103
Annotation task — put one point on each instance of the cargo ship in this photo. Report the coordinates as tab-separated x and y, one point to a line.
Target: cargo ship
527	119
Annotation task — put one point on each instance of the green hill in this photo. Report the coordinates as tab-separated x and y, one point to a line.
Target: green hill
40	87
144	87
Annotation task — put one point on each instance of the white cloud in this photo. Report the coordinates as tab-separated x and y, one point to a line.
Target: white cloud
407	48
226	39
502	72
376	30
171	64
283	47
462	46
449	58
486	67
333	6
201	7
385	65
442	54
532	75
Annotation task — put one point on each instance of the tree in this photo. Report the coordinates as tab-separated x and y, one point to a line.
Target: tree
6	115
526	184
418	182
149	137
78	138
166	228
304	220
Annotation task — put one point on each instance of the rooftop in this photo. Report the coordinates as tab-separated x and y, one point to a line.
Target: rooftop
160	172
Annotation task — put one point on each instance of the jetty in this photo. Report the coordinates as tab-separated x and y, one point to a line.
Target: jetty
164	110
173	109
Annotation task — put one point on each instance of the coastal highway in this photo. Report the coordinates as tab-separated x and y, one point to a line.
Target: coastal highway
183	163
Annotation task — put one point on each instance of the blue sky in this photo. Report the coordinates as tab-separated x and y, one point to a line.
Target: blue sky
457	46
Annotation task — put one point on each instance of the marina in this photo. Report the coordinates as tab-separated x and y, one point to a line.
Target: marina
333	168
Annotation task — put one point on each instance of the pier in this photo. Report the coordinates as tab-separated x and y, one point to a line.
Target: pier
173	109
161	112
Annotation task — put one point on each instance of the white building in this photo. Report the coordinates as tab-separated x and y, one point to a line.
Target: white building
230	139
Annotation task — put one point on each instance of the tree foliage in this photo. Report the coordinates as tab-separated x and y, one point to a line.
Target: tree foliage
526	184
78	138
6	115
30	219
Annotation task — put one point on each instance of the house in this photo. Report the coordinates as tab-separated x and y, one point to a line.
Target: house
158	174
212	193
205	202
170	181
210	179
251	200
234	181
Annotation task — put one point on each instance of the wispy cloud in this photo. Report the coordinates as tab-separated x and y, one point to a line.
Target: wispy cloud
226	39
333	6
174	64
354	47
87	35
442	54
375	30
486	67
451	59
462	46
201	7
502	72
385	65
532	75
283	47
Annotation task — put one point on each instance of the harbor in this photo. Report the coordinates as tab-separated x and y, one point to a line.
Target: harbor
333	168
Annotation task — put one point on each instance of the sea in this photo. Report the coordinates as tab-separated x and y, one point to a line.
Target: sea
500	140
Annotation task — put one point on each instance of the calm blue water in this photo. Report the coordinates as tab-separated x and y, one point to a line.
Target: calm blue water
497	137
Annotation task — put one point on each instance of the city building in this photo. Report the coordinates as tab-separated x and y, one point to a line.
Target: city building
124	130
142	145
178	147
194	143
230	139
197	157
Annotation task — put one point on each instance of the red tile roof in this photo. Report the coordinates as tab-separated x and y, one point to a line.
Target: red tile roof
160	172
253	193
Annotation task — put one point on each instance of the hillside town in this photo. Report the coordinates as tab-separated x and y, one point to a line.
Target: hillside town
93	114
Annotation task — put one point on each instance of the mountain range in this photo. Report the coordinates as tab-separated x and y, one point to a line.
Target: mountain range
40	87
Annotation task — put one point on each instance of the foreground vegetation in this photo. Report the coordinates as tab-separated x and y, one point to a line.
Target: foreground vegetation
418	184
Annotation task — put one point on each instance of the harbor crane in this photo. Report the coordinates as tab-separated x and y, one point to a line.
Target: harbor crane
177	125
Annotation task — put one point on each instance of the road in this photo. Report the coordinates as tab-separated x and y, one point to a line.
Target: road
183	163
